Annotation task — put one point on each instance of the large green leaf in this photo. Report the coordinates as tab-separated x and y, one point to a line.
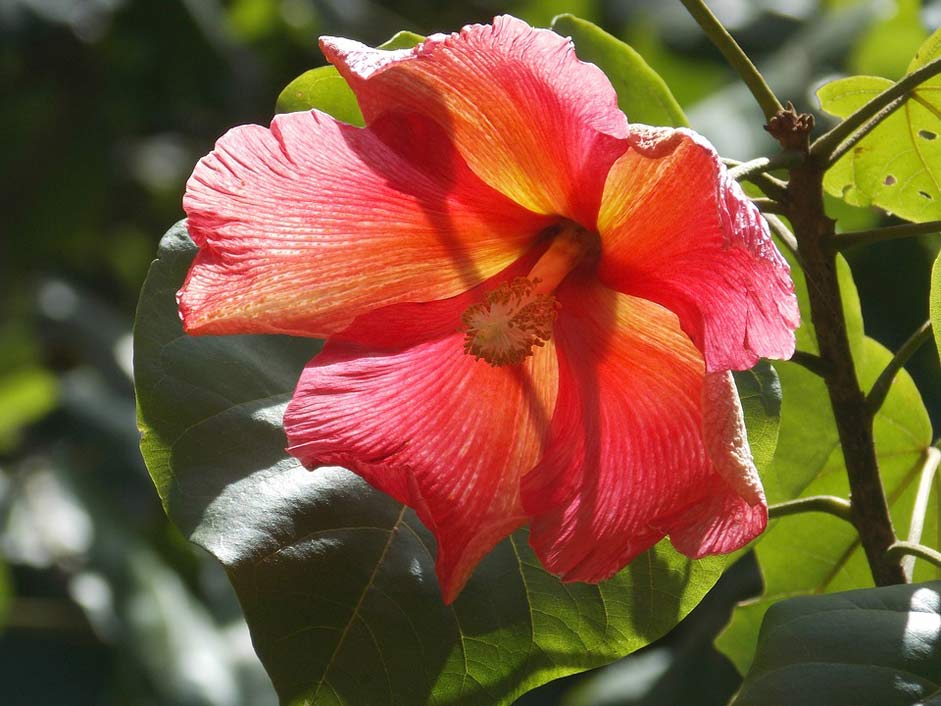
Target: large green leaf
934	301
642	94
879	646
897	166
337	580
816	553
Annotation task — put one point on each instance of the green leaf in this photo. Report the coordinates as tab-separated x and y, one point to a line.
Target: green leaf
642	94
337	580
402	40
324	89
897	167
760	393
816	553
872	646
934	302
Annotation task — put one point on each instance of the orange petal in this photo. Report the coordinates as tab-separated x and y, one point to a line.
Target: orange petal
531	120
678	231
628	460
305	226
421	420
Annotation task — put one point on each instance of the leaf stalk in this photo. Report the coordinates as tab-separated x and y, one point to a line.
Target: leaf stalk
830	504
920	509
851	239
880	388
902	549
826	145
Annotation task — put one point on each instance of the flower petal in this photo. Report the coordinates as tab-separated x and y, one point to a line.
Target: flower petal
678	231
531	120
305	226
429	425
631	457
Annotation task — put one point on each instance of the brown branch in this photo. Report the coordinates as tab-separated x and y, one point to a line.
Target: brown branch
815	233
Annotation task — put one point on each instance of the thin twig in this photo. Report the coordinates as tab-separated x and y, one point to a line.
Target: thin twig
769	206
880	388
900	549
830	504
784	234
826	144
751	171
737	58
811	361
878	235
761	165
920	509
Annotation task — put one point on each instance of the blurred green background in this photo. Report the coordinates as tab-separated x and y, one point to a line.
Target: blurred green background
106	106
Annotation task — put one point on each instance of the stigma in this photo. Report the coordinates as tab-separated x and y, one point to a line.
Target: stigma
509	323
517	317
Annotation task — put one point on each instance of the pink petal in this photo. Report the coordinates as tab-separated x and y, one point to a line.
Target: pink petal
426	423
633	453
305	226
678	231
531	120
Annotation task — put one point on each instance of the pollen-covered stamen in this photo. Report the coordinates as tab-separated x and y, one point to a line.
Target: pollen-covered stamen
504	328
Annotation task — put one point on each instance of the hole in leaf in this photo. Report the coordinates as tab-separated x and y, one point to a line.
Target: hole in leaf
889	180
927	134
926	195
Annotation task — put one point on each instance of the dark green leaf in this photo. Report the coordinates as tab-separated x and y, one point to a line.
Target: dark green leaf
879	646
337	580
642	94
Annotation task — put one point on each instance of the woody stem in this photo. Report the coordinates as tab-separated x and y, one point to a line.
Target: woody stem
814	231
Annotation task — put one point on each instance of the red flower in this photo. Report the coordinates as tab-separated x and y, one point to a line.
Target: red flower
530	307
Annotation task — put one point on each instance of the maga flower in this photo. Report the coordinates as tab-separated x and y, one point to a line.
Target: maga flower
530	307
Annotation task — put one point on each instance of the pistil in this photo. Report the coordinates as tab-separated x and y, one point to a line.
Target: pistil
517	317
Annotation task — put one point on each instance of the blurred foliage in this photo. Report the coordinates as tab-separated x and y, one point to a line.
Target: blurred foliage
107	105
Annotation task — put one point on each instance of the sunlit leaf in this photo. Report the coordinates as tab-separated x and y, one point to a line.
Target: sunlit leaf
642	94
322	88
934	301
897	167
873	646
816	553
337	580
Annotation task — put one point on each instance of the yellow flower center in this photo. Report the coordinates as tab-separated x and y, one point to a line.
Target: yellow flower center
518	315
